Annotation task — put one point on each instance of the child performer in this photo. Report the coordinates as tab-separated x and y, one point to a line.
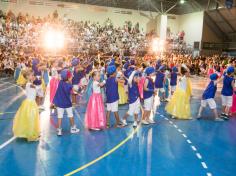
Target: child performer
62	101
17	71
134	101
208	97
148	95
121	89
167	84
227	92
112	95
54	81
38	82
173	79
179	104
26	122
95	117
77	76
159	82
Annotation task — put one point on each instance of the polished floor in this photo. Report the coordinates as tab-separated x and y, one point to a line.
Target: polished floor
167	148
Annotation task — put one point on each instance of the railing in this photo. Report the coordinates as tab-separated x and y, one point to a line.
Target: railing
219	46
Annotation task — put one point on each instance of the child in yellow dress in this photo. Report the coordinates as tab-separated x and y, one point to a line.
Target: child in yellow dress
21	81
179	104
26	121
123	98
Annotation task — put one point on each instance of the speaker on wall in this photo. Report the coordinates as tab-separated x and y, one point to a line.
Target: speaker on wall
229	3
196	45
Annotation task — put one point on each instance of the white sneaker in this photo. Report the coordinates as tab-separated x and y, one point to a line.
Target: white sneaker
59	132
41	107
135	124
173	117
151	121
74	130
144	122
218	119
95	129
124	122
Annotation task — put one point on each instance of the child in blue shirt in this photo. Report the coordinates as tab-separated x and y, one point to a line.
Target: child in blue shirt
208	97
148	95
62	101
78	74
134	101
227	92
159	82
173	79
112	95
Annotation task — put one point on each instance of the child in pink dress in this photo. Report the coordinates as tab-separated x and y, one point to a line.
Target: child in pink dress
233	108
53	82
95	118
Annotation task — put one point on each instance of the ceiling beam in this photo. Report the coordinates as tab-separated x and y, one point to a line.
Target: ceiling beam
225	20
208	4
214	26
171	7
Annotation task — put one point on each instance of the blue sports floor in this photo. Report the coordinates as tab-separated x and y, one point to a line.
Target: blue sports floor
167	148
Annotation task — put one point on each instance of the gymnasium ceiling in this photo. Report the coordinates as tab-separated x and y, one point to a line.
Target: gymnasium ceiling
172	6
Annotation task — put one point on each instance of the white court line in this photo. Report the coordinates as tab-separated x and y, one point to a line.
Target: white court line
161	115
180	130
1	90
204	165
189	141
76	112
170	122
12	138
3	84
7	142
199	155
193	147
3	79
166	118
13	84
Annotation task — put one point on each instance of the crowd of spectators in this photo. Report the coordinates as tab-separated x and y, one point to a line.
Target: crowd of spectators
21	40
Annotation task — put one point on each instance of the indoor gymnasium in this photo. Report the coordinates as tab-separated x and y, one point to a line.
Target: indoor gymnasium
118	88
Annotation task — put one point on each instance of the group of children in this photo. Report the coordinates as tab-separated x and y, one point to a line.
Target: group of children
143	87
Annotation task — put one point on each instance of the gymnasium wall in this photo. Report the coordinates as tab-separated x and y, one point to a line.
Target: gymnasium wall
192	24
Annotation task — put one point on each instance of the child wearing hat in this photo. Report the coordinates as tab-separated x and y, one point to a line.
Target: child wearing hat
26	122
179	104
112	95
95	118
159	82
38	82
134	101
173	79
62	101
148	95
227	92
208	97
78	74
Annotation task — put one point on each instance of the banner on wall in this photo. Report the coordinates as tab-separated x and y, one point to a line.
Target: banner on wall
36	2
11	1
100	9
123	12
67	6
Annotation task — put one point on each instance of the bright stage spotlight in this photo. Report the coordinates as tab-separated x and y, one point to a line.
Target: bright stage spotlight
54	39
158	45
